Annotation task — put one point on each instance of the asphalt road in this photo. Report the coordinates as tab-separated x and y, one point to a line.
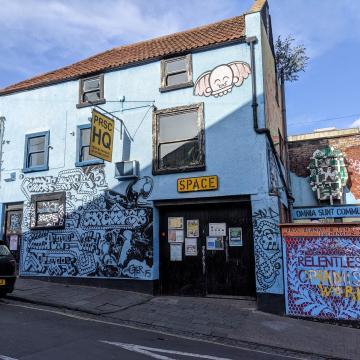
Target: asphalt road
31	332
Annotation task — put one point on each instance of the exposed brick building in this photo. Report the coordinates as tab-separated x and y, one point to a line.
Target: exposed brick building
301	150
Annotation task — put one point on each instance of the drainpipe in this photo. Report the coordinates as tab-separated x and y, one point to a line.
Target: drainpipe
251	41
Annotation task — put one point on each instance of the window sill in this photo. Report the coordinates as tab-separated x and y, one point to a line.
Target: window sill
178	170
86	104
88	163
35	169
176	87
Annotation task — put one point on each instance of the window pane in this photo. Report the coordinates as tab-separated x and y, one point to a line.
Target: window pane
36	144
176	79
85	154
178	126
91	96
85	136
184	153
91	84
37	159
175	65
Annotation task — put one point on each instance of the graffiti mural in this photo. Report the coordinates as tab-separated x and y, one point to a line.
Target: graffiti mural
220	80
106	234
267	250
328	173
322	270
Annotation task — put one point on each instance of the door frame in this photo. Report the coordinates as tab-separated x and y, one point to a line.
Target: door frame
159	204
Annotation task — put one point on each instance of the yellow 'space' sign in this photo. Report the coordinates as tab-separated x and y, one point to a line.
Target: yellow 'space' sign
201	183
101	136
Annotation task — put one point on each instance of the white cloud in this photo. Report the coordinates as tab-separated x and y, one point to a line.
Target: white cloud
42	35
355	124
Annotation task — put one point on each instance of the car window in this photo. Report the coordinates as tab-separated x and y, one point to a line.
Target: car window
4	250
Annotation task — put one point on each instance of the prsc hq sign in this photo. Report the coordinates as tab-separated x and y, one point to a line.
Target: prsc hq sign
102	136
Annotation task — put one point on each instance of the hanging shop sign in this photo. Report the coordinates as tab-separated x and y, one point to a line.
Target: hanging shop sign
201	183
345	211
322	270
102	136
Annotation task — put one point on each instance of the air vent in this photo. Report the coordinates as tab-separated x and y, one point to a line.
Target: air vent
126	170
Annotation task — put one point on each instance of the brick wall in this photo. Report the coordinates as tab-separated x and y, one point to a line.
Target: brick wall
301	151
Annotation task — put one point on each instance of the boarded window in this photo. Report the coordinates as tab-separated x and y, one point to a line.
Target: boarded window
47	211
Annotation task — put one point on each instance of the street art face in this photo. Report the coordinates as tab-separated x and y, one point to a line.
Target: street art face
220	80
267	249
106	234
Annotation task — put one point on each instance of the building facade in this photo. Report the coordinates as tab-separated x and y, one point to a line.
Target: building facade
325	174
190	202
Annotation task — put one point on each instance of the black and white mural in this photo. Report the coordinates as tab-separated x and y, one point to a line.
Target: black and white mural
268	255
106	234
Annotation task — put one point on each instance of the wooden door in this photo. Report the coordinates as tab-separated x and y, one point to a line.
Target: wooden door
229	271
13	228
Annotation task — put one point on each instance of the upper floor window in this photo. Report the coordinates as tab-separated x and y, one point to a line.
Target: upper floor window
36	151
83	157
91	91
176	73
178	139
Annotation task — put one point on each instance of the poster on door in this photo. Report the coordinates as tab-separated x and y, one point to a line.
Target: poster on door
235	236
175	236
175	223
176	252
192	228
217	229
191	247
13	245
214	243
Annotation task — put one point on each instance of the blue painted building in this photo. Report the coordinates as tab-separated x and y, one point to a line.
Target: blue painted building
197	185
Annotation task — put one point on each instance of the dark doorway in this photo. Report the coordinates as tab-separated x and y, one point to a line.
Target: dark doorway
229	270
13	227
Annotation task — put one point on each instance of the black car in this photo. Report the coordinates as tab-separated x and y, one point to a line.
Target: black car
7	270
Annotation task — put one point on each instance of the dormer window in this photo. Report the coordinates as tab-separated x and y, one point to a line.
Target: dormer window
176	73
91	91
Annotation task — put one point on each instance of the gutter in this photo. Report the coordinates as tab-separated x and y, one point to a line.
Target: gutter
251	41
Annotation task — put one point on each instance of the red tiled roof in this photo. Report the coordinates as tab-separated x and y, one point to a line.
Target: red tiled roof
221	32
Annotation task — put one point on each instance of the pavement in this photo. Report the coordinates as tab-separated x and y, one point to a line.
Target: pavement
233	321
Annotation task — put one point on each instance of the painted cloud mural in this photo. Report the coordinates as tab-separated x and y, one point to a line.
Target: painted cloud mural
220	80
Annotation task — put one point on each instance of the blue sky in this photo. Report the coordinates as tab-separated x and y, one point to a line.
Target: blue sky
43	35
